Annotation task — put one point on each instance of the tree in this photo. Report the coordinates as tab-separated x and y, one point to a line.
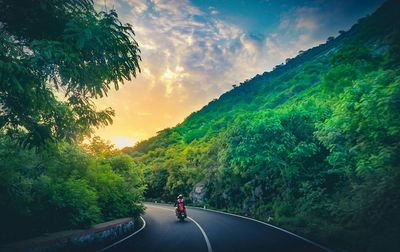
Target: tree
56	48
99	148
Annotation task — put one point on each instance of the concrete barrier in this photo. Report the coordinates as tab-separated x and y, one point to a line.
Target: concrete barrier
77	240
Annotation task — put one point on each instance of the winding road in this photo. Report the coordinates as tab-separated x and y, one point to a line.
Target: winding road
209	231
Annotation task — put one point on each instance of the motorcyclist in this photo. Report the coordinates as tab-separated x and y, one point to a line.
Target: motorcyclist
180	201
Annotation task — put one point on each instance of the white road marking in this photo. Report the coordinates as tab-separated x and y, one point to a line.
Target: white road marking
195	222
204	234
267	224
129	236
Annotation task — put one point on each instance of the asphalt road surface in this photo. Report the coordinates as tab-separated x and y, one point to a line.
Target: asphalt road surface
207	231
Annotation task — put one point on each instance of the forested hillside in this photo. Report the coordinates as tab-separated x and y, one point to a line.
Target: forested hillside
313	144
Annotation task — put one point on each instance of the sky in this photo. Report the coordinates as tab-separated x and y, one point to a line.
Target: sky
194	51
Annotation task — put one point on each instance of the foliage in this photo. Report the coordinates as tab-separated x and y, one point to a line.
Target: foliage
63	187
55	56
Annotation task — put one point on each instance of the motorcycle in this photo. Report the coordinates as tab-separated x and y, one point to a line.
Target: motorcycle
180	213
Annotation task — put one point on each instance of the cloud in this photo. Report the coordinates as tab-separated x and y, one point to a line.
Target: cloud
213	11
138	5
298	29
284	23
177	35
306	23
308	19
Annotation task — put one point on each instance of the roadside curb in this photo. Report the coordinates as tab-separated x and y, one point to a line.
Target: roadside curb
77	240
129	236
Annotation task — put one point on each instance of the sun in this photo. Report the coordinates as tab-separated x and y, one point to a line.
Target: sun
123	141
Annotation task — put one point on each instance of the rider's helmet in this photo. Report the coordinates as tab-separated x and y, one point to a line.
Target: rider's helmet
180	196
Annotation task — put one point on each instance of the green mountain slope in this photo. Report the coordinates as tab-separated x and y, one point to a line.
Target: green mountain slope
313	144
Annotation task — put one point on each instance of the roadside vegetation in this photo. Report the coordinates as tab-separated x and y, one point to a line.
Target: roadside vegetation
313	144
56	56
65	186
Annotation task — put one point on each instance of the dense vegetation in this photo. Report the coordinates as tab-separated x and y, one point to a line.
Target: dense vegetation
313	144
64	186
56	56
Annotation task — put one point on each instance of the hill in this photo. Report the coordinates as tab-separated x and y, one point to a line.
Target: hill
313	144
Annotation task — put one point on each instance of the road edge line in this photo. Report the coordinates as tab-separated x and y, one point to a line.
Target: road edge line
267	224
209	248
129	236
203	232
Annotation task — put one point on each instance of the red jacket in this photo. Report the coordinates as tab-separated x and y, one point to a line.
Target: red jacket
181	204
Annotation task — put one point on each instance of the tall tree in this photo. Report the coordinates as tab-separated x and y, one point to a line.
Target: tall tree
56	56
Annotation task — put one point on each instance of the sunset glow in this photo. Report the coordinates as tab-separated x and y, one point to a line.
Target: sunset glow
123	141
